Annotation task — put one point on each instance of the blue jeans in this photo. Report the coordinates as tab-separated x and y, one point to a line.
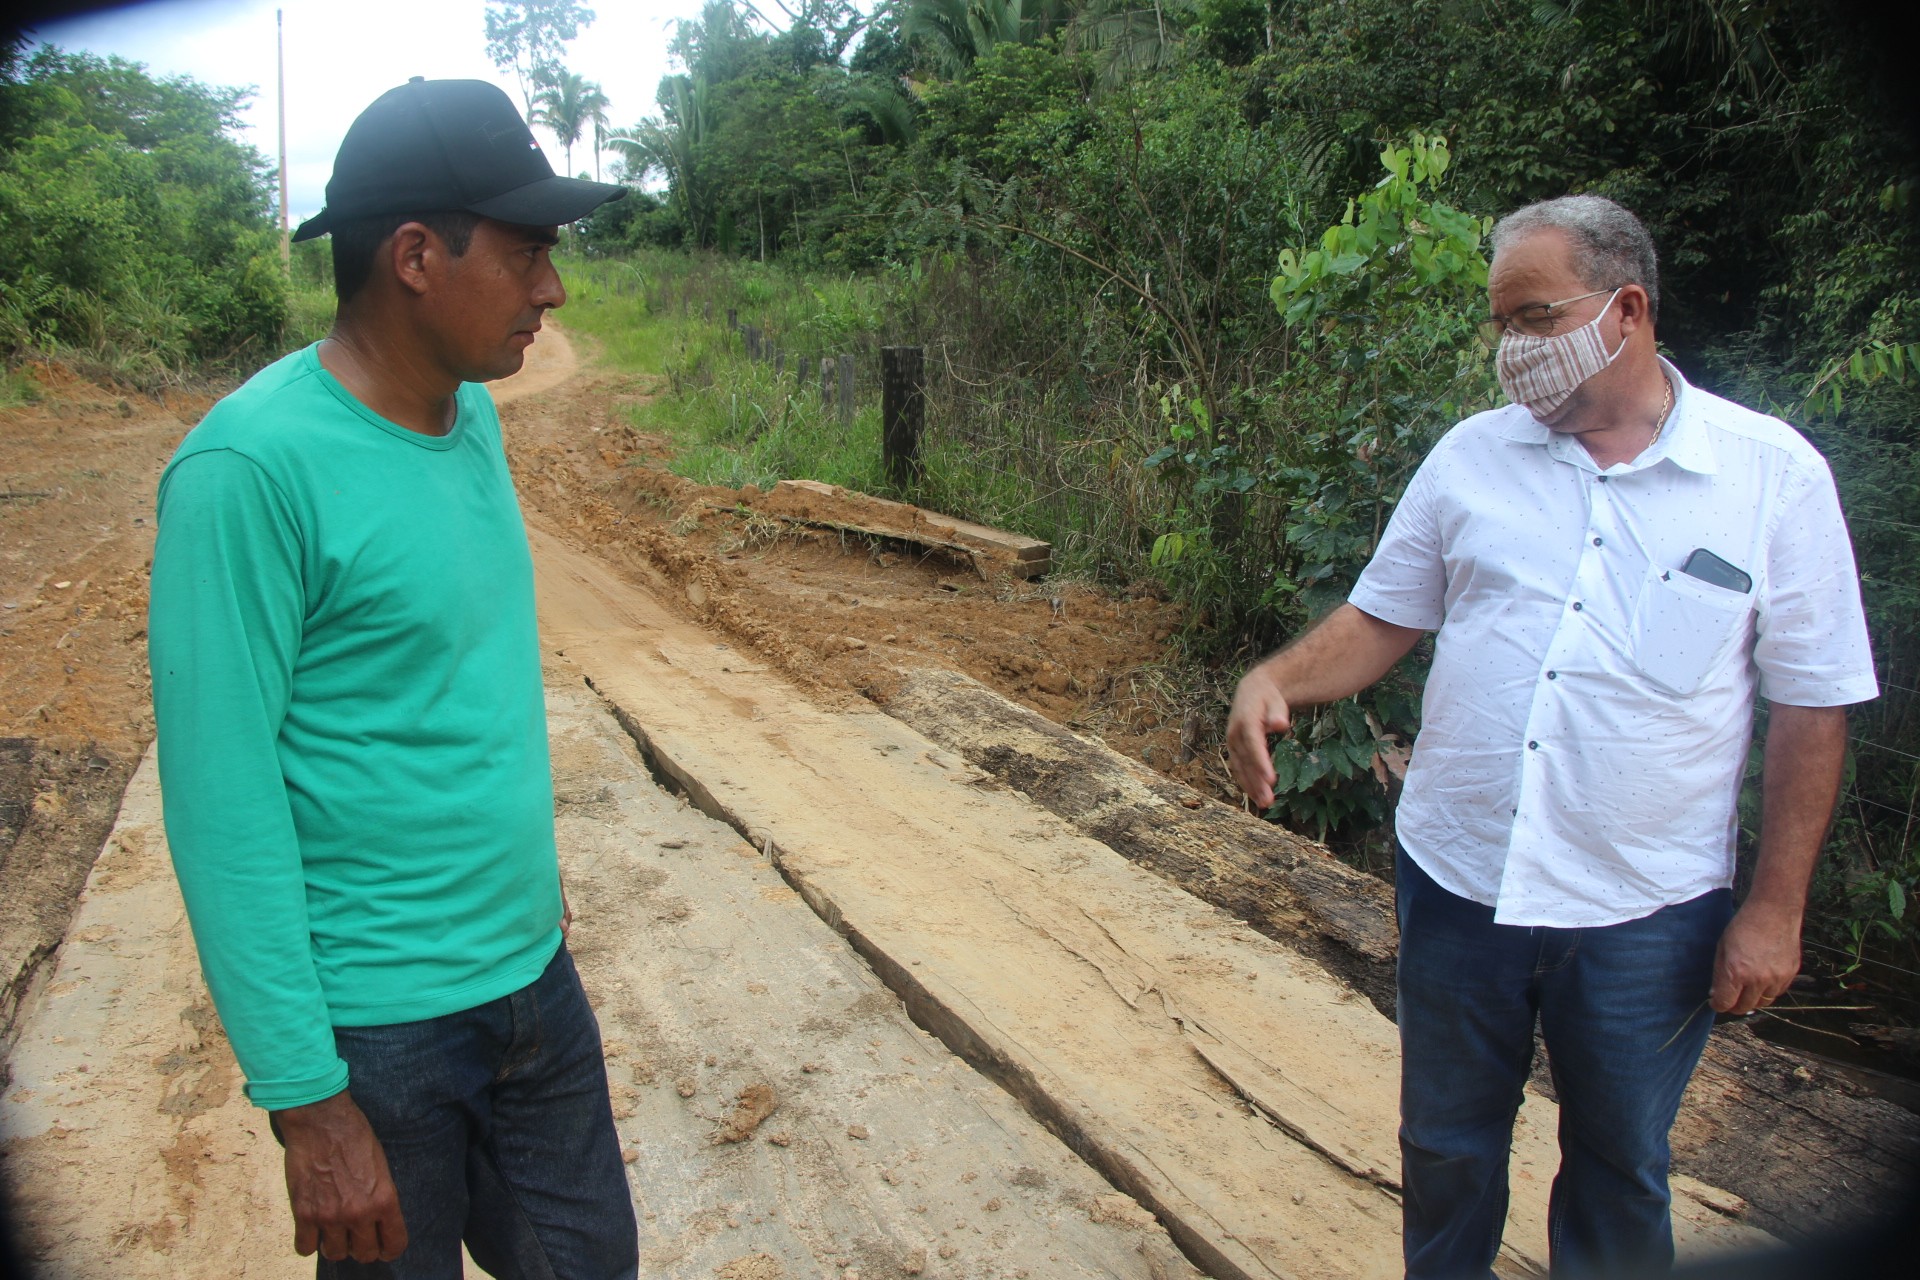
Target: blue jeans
1623	1012
499	1132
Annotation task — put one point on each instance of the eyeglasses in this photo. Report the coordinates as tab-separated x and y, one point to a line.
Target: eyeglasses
1537	320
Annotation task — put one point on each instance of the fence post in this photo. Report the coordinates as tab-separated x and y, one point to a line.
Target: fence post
903	401
733	318
826	383
752	333
779	363
846	390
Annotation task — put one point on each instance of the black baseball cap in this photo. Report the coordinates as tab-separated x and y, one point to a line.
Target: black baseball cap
437	145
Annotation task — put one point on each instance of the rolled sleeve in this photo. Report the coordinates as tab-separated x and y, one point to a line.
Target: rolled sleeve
1405	582
1812	648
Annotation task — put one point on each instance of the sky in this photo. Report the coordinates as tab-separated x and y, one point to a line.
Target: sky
342	54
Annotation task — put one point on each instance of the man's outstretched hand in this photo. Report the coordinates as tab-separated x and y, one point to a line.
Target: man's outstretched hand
1338	656
344	1201
1259	708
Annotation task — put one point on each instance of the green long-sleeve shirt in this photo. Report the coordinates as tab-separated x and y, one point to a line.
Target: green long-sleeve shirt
353	750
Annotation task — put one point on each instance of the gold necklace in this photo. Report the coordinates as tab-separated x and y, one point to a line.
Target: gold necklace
1666	407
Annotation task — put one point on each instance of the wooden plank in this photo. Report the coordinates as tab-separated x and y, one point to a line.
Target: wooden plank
970	556
872	1147
133	1153
130	1150
1284	885
1076	979
1800	1148
832	505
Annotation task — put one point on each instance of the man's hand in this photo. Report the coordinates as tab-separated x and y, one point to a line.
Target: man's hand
566	913
344	1201
1758	959
1339	655
1259	708
1760	951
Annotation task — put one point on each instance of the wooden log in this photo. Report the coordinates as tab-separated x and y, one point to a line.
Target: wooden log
814	502
903	401
1287	887
1808	1150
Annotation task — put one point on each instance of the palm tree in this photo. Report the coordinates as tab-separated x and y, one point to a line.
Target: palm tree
957	32
1136	35
567	103
670	146
888	106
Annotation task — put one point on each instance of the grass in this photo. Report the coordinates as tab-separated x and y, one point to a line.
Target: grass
17	387
733	421
309	314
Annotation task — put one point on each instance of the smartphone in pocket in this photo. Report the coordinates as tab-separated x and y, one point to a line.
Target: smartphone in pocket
1710	568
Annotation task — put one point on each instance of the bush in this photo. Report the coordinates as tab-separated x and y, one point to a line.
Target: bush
134	229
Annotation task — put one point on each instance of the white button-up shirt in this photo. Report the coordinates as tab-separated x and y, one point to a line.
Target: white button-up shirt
1586	723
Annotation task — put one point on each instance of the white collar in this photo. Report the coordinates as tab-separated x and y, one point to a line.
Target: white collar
1685	441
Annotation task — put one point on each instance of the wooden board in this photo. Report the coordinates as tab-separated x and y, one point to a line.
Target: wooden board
133	1154
883	1153
1286	886
1104	998
830	505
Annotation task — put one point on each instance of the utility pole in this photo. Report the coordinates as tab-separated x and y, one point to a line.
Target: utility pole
286	240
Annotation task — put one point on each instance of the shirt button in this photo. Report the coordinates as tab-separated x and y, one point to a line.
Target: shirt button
1596	542
1553	675
1601	479
1533	746
1577	606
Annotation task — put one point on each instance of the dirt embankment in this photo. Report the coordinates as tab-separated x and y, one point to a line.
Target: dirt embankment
77	475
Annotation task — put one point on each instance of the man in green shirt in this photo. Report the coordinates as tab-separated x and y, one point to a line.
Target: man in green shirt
353	746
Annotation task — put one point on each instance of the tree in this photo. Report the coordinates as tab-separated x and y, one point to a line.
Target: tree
527	37
1136	36
670	146
134	226
568	105
956	33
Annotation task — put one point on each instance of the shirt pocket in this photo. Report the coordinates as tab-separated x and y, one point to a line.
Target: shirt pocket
1683	627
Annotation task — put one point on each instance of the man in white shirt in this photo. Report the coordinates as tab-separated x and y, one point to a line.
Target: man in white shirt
1614	564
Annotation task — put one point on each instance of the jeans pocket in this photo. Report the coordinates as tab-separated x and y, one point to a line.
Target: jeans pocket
1683	628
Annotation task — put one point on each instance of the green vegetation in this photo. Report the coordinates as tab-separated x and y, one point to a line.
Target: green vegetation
734	421
134	230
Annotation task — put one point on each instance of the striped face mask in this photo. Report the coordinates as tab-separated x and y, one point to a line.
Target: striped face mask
1541	373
